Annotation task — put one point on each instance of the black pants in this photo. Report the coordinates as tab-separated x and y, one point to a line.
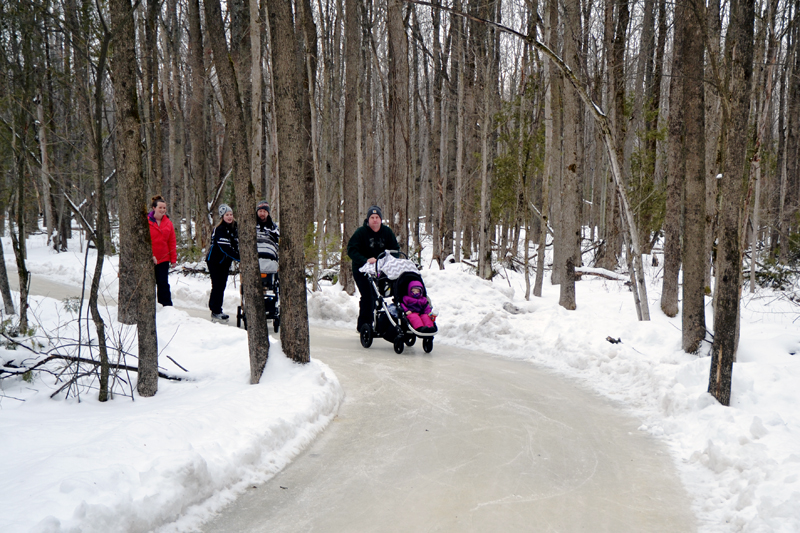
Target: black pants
163	294
219	279
366	305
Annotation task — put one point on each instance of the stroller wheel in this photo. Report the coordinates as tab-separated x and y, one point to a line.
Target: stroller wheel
410	339
399	345
366	335
427	344
276	323
239	316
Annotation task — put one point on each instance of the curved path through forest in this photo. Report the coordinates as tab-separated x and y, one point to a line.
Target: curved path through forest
460	441
464	441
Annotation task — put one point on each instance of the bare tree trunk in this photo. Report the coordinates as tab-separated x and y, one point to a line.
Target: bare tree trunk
197	124
676	171
45	170
352	44
366	195
306	33
5	289
132	183
485	231
552	118
570	182
714	136
458	200
256	139
754	239
322	141
763	110
101	233
293	144
790	180
257	333
736	104
151	95
431	223
398	79
18	238
694	215
173	99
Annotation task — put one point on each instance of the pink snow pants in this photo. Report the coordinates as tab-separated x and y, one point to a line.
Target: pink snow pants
419	320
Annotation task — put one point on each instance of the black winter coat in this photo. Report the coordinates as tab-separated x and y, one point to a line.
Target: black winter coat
366	243
224	248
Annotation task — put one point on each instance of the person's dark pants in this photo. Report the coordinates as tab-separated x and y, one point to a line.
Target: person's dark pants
367	303
163	294
219	279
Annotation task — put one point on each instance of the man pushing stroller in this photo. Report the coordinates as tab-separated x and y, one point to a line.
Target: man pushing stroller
367	243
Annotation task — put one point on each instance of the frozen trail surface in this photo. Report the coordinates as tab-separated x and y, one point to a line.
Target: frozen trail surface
458	441
464	441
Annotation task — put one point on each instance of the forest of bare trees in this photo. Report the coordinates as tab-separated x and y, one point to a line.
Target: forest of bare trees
489	132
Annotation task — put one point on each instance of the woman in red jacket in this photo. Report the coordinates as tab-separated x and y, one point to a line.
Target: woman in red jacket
162	235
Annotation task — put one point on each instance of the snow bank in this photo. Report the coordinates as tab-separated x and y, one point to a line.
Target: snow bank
179	456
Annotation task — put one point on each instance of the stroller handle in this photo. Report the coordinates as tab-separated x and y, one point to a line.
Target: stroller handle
397	253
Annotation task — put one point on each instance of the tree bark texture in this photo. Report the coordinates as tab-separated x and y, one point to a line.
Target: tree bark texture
352	47
236	129
292	150
570	191
676	172
398	117
694	213
132	184
739	59
197	136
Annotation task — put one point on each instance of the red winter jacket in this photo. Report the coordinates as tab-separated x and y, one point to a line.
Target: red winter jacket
163	239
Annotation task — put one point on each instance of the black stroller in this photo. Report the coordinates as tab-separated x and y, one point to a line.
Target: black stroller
270	281
389	320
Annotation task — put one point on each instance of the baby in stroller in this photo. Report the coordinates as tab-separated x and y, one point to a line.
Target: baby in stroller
418	310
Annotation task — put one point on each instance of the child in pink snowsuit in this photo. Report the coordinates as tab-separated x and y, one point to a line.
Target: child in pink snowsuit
417	308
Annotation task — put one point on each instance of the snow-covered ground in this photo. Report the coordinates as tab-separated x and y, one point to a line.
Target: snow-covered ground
170	461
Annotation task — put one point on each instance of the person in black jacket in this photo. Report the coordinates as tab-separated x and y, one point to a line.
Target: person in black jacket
366	244
223	251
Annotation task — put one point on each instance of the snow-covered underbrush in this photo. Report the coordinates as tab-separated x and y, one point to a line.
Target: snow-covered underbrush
135	464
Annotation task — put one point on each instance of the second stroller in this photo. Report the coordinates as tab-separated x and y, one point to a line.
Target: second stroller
267	237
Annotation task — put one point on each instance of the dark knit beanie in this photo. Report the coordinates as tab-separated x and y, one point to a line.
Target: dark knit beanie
262	205
374	210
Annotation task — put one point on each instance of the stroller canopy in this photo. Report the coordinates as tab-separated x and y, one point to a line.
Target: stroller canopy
389	266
